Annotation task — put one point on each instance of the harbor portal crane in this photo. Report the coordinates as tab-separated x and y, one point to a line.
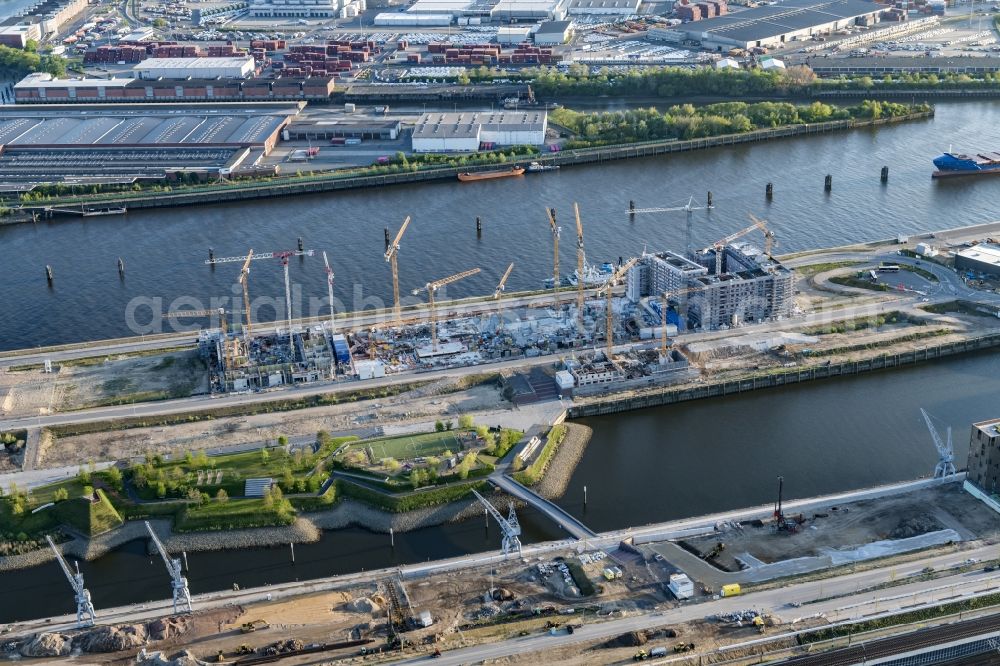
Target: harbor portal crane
510	527
329	289
769	239
608	289
555	253
581	262
946	452
689	208
498	293
720	245
431	288
85	613
391	255
182	596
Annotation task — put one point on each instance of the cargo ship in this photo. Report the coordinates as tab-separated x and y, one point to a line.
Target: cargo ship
960	164
487	175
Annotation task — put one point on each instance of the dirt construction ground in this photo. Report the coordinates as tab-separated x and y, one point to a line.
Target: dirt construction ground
94	382
423	403
858	523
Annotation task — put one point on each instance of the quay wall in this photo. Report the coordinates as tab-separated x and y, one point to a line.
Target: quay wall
333	182
615	404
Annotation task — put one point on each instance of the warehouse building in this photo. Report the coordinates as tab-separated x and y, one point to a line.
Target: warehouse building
983	258
553	33
507	11
467	131
898	65
301	9
41	88
773	25
604	7
322	130
99	144
198	68
16	35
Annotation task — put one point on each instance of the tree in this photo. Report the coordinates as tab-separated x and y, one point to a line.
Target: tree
114	476
439	426
282	440
391	464
276	494
268	497
31	46
83	475
61	495
201	459
465	422
188	459
448	425
265	456
161	489
221	496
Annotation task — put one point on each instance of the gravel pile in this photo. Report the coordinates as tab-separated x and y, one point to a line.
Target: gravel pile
560	470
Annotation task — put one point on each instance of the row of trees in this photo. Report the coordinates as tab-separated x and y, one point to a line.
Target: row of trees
19	62
689	122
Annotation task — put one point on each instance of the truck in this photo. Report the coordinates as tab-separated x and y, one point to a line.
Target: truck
730	590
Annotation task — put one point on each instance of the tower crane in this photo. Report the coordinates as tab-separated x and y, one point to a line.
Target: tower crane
946	452
581	261
720	245
607	289
498	293
509	526
769	239
555	253
689	208
391	255
182	596
283	256
431	288
329	288
85	613
245	283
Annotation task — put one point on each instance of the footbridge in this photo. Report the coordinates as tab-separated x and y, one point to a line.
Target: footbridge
555	513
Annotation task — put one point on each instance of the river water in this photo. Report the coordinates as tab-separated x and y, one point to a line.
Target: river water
696	457
164	250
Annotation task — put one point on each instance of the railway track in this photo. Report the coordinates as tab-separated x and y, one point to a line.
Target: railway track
886	647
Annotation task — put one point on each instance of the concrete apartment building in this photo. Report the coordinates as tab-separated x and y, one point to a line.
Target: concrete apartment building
984	455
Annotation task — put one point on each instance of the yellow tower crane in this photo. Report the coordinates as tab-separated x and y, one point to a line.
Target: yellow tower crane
555	253
720	245
769	239
581	261
607	289
245	282
431	288
498	293
391	253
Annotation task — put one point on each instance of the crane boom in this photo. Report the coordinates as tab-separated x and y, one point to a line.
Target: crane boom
608	314
689	208
391	255
245	282
431	289
510	526
581	265
555	253
329	288
720	245
263	255
769	240
182	596
85	613
498	292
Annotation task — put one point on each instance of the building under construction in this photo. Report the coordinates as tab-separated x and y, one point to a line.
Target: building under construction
724	285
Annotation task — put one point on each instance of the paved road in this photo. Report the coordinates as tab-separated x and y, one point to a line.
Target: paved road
853	604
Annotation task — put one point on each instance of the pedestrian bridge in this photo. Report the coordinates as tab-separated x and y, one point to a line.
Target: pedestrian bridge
555	513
